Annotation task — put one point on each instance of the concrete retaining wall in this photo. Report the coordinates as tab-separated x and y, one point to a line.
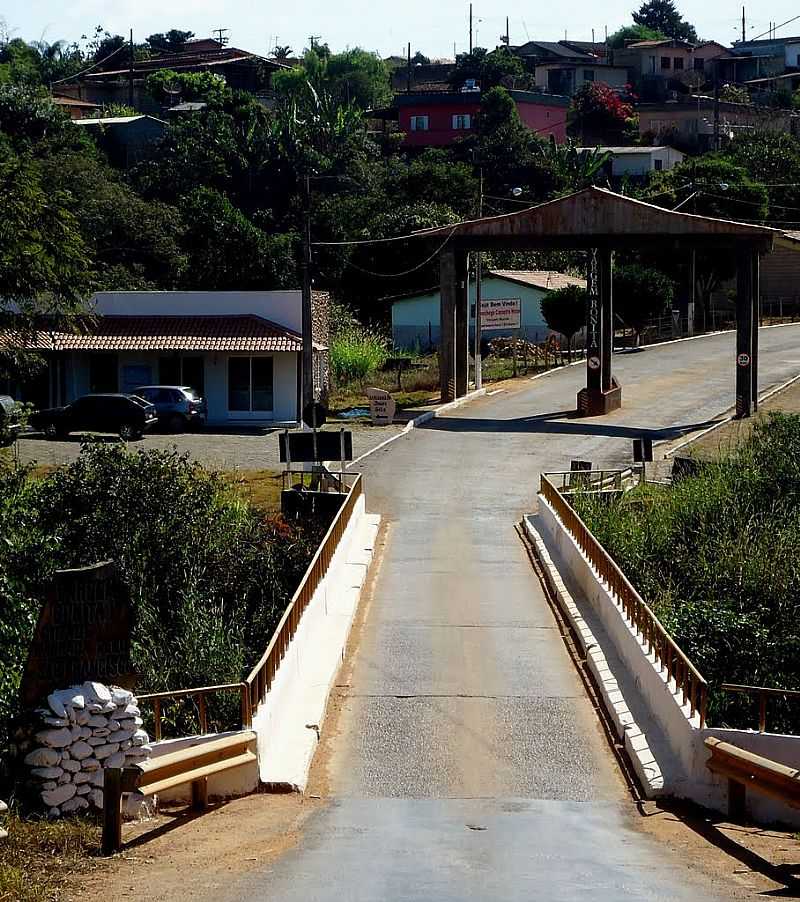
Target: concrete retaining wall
677	745
288	722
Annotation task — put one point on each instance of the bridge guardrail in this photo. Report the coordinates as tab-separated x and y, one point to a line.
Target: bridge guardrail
657	640
763	693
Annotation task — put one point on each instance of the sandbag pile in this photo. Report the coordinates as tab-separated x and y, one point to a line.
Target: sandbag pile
84	730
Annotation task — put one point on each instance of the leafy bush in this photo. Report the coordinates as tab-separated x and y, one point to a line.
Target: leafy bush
355	353
208	575
716	557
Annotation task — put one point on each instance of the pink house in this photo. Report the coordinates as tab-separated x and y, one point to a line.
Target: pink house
439	118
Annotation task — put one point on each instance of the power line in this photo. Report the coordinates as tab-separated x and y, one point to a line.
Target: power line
93	66
405	272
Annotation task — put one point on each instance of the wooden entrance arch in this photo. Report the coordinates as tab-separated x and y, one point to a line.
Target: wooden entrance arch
599	221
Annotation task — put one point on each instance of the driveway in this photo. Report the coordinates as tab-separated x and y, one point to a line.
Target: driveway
217	449
466	761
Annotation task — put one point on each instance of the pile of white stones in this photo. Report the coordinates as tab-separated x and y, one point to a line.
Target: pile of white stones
3	810
85	729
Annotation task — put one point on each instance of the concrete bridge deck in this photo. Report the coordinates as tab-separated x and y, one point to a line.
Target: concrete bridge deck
469	763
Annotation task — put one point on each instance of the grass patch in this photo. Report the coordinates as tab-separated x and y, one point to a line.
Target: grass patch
260	488
39	856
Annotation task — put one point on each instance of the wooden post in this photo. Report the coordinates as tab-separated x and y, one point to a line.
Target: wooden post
112	810
594	327
762	712
737	800
200	793
461	326
756	322
447	346
744	336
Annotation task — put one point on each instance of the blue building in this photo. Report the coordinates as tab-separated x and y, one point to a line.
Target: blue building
415	317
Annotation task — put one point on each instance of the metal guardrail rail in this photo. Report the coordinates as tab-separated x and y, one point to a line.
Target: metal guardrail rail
763	693
657	640
261	676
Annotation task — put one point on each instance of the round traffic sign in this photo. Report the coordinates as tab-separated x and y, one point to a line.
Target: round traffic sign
315	414
593	363
743	360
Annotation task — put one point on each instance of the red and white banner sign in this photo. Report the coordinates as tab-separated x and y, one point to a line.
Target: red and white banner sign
501	313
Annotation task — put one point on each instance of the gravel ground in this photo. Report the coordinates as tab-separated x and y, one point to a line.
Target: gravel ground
215	449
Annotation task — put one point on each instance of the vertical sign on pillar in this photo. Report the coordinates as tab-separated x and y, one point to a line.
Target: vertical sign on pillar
593	328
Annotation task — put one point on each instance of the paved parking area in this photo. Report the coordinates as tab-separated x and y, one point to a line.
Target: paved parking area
215	449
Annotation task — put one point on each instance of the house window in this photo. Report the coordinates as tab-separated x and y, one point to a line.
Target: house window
666	62
699	64
658	165
462	121
678	63
180	370
419	123
250	384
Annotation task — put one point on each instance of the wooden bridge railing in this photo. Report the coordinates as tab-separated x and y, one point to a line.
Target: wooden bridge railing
261	676
657	640
763	694
198	695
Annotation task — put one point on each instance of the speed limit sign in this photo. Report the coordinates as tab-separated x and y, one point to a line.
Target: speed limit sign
593	363
743	360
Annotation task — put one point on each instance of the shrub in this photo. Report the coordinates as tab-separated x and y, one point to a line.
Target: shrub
716	557
208	575
355	353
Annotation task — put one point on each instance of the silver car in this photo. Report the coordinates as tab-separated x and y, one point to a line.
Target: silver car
179	407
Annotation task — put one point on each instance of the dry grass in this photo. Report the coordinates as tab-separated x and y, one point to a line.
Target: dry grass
261	488
39	857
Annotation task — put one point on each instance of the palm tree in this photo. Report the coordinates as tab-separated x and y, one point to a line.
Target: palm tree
282	52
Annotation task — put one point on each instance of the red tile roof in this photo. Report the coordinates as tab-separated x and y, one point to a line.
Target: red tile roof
242	333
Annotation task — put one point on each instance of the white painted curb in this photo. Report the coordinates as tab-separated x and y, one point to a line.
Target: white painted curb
627	729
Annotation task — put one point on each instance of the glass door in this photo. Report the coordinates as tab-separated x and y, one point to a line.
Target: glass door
250	386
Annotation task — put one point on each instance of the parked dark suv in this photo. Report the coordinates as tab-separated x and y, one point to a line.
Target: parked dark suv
126	415
178	406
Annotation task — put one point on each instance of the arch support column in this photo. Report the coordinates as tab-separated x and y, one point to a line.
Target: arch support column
454	313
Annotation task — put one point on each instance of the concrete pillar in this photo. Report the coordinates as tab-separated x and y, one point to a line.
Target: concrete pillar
462	324
756	320
744	334
594	326
605	272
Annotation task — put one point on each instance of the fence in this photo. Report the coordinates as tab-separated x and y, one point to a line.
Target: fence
261	676
254	688
657	640
763	694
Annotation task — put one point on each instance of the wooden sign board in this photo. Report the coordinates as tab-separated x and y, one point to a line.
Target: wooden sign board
301	447
382	407
83	633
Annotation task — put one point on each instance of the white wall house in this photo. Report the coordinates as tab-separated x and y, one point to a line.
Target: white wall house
640	161
240	350
416	317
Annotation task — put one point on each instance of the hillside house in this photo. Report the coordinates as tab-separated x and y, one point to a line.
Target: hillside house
639	162
126	139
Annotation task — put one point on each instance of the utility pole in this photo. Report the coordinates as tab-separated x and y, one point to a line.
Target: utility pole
478	295
408	77
307	311
470	28
716	103
508	34
221	35
130	71
744	38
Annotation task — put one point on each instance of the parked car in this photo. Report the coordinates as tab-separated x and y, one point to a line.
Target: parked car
126	415
9	424
178	406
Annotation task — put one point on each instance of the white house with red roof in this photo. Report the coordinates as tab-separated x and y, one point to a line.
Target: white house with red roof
241	350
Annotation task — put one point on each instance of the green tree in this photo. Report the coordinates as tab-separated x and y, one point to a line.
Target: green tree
639	294
170	41
226	249
663	16
630	34
282	52
564	311
359	77
488	68
576	167
206	87
773	160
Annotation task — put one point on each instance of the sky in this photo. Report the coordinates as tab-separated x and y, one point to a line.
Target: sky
432	26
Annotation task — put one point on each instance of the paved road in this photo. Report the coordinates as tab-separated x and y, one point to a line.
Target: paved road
469	763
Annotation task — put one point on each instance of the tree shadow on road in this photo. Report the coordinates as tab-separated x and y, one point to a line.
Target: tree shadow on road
561	422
